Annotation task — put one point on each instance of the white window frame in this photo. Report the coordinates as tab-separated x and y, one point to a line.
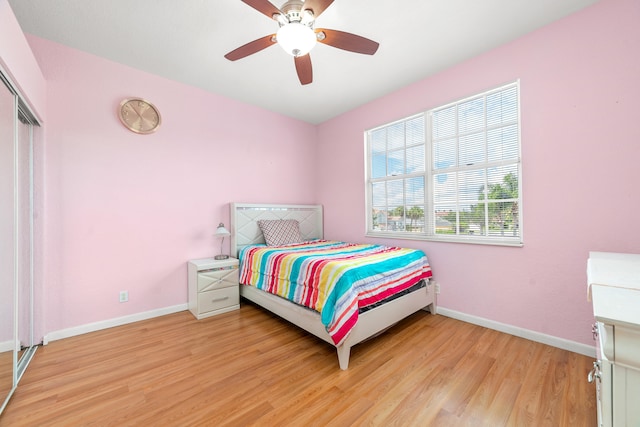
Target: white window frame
429	174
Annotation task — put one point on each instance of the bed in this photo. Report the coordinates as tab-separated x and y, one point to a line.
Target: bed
248	238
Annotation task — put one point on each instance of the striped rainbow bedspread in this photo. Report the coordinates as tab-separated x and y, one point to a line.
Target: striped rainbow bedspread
333	278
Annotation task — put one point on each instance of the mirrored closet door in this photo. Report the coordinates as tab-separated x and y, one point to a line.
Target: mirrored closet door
8	231
24	213
16	240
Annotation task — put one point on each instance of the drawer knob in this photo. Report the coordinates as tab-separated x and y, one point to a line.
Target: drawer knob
219	299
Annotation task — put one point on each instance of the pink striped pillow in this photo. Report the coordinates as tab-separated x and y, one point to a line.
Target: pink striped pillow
278	232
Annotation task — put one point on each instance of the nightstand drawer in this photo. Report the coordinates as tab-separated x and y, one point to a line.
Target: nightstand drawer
217	278
218	299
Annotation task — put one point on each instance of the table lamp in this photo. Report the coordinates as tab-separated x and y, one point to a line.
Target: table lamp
221	232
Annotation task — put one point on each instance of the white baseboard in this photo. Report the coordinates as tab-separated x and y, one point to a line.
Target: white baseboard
110	323
6	346
573	346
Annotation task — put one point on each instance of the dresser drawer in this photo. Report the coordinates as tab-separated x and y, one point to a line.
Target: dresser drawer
209	280
218	299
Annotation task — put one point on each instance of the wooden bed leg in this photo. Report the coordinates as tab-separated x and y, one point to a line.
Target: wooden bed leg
433	307
343	356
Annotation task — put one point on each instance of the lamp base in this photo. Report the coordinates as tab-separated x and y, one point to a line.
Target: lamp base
221	257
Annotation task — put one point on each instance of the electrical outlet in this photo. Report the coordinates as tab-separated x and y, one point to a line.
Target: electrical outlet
437	288
124	296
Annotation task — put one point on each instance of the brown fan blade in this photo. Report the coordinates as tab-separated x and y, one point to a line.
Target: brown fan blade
251	47
347	41
316	6
263	6
303	67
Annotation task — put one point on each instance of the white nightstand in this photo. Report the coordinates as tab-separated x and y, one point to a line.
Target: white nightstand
213	286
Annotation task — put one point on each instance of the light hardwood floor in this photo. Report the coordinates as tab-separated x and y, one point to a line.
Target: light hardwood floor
6	374
248	367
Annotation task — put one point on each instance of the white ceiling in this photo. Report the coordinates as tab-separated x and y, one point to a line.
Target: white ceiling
186	40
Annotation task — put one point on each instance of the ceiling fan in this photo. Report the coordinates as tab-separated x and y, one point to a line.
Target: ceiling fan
297	36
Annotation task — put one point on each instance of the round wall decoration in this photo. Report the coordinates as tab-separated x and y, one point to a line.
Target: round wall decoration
139	115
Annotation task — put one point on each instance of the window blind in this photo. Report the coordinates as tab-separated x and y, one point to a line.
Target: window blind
452	173
476	166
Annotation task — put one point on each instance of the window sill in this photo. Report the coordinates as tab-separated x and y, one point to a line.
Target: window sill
449	239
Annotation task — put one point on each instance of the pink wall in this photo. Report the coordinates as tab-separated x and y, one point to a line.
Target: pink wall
580	84
127	211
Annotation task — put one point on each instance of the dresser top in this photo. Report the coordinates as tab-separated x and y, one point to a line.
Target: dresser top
614	287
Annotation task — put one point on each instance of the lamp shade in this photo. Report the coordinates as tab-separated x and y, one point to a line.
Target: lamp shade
296	39
221	231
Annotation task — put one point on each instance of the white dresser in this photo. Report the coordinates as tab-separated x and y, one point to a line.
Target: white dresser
614	289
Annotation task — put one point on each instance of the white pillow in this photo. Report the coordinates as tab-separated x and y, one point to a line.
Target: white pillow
278	232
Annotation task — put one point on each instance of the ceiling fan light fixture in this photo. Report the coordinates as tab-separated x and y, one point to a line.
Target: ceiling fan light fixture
296	39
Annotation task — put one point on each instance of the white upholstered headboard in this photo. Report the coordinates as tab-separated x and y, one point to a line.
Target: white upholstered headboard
244	222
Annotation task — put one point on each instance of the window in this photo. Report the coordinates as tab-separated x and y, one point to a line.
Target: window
450	174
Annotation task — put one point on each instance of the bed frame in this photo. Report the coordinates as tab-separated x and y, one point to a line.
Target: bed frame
245	231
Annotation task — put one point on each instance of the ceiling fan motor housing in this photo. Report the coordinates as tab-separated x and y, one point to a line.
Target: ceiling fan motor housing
292	11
